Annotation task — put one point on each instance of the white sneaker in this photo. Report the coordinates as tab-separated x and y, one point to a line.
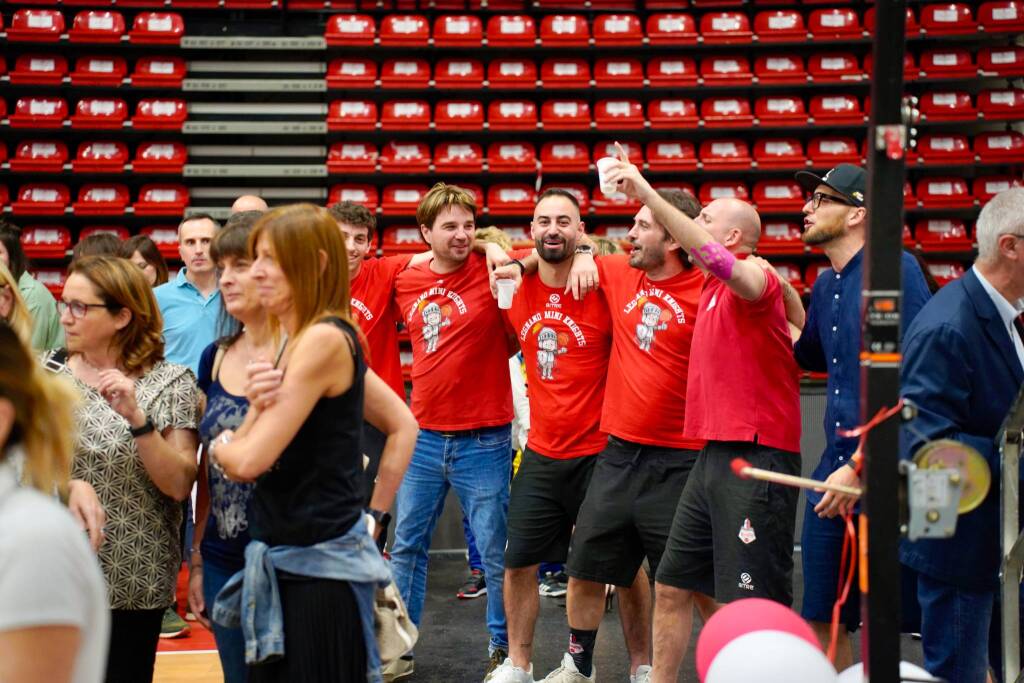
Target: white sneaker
508	672
567	673
642	675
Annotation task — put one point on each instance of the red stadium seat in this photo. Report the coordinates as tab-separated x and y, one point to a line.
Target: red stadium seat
458	157
101	200
512	74
351	73
350	30
836	109
617	204
407	30
160	114
828	152
4	196
719	189
780	26
511	157
671	155
511	199
459	115
1002	16
945	148
620	72
35	26
726	70
458	30
99	71
402	240
565	115
910	70
618	30
158	72
563	73
789	271
634	150
39	112
781	237
671	29
779	153
615	233
39	156
348	115
161	200
413	74
564	30
718	28
351	157
780	111
780	69
517	30
364	195
157	28
577	190
987	186
619	115
778	195
405	115
942	234
834	23
160	157
166	239
728	154
912	28
947	106
726	112
41	199
53	279
39	70
458	74
402	200
947	18
951	62
672	72
834	68
1000	147
99	113
674	113
998	105
945	272
944	192
97	26
405	157
100	157
565	157
512	115
1001	61
46	241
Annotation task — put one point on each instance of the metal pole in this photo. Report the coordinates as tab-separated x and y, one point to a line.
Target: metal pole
880	359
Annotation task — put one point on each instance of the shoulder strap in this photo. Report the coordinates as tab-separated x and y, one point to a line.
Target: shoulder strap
280	350
218	358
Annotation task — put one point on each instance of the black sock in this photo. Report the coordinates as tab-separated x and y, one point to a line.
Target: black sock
581	649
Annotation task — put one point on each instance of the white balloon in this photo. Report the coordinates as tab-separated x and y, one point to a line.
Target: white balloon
855	674
770	657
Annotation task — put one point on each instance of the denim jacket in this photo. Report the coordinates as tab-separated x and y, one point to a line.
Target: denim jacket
250	598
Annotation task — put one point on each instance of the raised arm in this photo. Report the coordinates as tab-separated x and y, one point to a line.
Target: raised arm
384	410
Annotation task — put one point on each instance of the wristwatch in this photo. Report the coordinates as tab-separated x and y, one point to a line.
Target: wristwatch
517	262
381	520
585	249
146	428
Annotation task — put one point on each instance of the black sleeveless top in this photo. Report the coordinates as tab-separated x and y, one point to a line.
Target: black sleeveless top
314	492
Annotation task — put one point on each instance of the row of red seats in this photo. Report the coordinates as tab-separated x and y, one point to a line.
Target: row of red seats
95	113
95	156
97	199
54	241
96	70
94	26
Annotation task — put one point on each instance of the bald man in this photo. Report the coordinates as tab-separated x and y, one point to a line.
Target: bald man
248	202
730	538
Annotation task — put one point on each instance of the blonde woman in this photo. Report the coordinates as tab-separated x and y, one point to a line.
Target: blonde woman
53	608
12	307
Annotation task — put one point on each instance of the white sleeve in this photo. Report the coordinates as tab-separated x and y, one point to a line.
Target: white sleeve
520	404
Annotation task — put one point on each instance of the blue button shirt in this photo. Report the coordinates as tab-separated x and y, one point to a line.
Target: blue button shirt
831	342
190	321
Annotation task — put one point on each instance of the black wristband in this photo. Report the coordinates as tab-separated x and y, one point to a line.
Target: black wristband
522	268
146	428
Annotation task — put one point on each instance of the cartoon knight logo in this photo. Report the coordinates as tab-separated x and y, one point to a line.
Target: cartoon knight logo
650	322
433	321
547	350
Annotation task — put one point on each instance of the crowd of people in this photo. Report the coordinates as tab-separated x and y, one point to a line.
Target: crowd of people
618	388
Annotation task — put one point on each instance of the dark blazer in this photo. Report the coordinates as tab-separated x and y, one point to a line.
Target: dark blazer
960	368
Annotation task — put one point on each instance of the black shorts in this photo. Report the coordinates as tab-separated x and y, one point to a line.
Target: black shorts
542	507
628	511
732	538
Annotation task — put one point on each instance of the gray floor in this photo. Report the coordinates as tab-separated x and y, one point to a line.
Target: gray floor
453	635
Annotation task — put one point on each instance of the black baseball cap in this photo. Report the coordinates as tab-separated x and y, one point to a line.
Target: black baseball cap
846	179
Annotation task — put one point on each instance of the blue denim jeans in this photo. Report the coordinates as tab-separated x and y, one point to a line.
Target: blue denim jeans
477	465
472	554
230	642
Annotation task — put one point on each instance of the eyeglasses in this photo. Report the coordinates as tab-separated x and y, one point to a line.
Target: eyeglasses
77	308
817	198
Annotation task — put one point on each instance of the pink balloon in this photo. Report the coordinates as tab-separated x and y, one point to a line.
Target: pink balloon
744	616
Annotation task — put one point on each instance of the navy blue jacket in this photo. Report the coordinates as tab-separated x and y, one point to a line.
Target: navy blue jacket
960	368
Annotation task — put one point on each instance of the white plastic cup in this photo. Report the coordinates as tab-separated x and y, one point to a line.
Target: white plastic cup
603	165
506	288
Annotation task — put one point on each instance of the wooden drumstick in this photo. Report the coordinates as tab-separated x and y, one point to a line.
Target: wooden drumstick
744	470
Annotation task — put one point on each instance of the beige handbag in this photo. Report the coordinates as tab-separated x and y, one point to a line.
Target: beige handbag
396	634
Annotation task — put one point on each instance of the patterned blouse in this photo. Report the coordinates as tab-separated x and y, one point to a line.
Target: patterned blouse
142	553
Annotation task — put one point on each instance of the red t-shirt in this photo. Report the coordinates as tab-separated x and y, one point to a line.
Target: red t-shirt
565	344
374	309
743	379
460	352
652	323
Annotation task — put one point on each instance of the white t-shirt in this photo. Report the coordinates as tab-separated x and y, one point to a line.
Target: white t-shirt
49	575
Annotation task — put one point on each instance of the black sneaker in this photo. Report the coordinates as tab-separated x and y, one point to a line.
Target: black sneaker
474	587
497	658
554	585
